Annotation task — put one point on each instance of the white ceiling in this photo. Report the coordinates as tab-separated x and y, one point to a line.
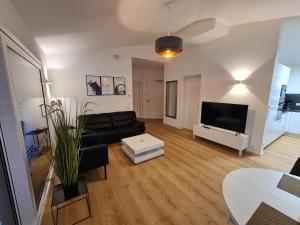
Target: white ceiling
73	25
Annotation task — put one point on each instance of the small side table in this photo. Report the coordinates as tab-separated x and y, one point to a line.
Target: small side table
59	201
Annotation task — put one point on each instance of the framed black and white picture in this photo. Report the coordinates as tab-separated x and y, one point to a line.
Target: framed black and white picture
119	85
93	85
107	85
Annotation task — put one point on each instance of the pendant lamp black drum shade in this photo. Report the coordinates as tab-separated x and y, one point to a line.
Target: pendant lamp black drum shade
168	46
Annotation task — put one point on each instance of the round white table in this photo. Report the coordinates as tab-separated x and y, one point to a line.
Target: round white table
245	189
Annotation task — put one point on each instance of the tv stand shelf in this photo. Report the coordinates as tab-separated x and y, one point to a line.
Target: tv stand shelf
225	137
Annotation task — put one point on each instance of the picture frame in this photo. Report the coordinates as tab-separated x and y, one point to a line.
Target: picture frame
119	85
93	85
107	84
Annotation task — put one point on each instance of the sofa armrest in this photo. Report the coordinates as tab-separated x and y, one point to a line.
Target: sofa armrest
139	124
93	157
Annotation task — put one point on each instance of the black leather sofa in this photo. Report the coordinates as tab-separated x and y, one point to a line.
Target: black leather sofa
112	127
93	154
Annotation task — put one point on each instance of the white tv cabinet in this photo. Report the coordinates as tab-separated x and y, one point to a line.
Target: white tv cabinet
225	137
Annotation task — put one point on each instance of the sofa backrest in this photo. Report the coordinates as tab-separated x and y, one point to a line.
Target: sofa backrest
98	121
108	120
124	118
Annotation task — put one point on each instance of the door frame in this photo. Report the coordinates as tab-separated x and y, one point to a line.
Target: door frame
143	104
184	96
141	97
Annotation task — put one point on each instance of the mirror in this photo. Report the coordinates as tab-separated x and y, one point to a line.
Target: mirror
171	99
29	95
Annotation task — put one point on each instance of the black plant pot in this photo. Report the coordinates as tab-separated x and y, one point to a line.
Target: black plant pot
71	191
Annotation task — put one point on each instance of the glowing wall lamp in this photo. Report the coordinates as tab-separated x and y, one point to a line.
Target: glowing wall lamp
240	88
241	74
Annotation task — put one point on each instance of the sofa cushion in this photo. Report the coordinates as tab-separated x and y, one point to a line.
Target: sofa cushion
98	121
120	119
108	135
111	127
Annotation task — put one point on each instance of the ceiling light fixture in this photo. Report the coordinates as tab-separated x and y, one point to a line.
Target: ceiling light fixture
168	46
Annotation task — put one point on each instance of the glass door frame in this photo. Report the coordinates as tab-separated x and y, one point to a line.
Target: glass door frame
20	178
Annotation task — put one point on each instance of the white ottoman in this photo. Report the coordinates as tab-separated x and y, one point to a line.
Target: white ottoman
142	147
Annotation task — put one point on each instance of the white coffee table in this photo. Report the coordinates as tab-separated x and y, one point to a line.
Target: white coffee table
142	147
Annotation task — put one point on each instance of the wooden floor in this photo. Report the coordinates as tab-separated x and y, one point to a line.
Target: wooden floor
180	188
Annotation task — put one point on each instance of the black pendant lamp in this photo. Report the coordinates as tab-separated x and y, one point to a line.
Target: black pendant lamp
168	46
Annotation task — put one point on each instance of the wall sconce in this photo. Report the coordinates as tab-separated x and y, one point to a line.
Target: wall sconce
241	74
239	89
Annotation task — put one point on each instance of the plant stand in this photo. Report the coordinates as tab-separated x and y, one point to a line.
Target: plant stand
59	201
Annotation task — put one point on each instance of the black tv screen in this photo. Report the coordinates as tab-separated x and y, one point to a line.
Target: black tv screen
227	116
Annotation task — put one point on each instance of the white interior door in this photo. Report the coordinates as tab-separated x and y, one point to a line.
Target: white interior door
137	103
192	101
153	99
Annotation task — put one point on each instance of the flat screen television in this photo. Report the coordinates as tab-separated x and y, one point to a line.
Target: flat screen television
227	116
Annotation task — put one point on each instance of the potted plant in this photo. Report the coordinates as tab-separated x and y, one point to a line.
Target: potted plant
65	157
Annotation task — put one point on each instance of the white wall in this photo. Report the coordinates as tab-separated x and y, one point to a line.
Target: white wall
293	86
289	47
248	50
68	73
